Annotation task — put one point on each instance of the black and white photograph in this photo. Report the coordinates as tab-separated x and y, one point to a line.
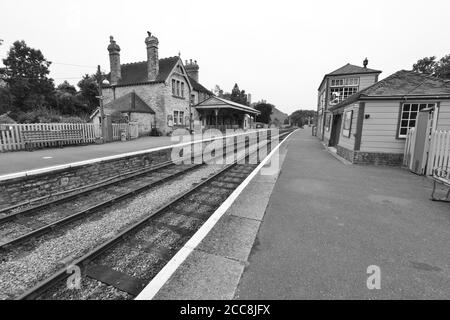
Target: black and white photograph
224	156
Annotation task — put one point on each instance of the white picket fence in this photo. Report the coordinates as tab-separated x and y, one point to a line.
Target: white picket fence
437	147
11	137
439	151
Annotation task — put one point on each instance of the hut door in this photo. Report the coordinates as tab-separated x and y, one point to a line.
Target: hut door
335	130
423	127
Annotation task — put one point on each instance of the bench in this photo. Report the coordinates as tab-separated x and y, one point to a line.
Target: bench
32	138
441	175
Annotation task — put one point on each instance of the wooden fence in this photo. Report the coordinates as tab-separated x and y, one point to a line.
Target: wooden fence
11	137
437	150
131	130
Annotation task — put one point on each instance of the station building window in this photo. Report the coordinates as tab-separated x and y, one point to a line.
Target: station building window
408	116
341	89
178	118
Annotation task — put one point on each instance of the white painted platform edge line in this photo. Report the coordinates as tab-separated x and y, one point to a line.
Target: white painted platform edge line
117	156
169	269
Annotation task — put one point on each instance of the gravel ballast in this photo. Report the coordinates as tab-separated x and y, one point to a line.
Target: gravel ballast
21	270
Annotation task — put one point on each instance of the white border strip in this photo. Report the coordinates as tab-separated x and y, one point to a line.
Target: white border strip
169	269
117	156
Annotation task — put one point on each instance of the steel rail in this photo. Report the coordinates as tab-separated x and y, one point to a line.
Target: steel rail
84	190
95	208
128	176
81	262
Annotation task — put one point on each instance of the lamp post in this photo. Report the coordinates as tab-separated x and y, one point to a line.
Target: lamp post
101	79
190	115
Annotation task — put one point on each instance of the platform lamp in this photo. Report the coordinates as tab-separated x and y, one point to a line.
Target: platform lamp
191	102
101	80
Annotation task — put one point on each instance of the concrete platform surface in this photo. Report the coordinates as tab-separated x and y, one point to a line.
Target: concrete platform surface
214	268
12	162
325	223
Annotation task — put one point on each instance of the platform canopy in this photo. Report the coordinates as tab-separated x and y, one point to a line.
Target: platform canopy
216	103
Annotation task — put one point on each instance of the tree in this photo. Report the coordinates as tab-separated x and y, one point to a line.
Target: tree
266	110
89	91
301	117
218	91
26	73
429	65
426	65
67	87
238	96
442	69
5	100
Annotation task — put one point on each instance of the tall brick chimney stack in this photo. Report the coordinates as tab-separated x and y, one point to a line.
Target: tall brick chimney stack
152	57
192	69
114	61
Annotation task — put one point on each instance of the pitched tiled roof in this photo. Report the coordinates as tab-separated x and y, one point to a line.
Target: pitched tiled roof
198	87
400	85
130	102
136	73
219	103
352	69
349	69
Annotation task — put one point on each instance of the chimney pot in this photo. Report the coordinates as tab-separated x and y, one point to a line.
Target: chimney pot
192	69
114	61
152	57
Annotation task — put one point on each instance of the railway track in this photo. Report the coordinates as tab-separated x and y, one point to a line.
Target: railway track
122	266
35	221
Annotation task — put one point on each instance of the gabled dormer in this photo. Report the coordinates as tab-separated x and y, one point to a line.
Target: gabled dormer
342	83
179	81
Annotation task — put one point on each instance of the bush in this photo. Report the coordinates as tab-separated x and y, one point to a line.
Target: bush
45	115
73	119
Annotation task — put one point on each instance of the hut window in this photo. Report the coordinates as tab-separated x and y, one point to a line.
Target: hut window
408	116
347	123
175	117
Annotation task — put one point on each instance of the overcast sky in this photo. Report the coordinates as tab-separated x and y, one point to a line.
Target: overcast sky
276	50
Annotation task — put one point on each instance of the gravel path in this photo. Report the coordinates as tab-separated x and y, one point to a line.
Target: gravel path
21	270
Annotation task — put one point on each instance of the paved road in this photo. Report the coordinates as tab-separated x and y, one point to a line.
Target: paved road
326	222
12	162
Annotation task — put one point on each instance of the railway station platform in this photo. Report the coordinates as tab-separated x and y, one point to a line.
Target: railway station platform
20	161
312	232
